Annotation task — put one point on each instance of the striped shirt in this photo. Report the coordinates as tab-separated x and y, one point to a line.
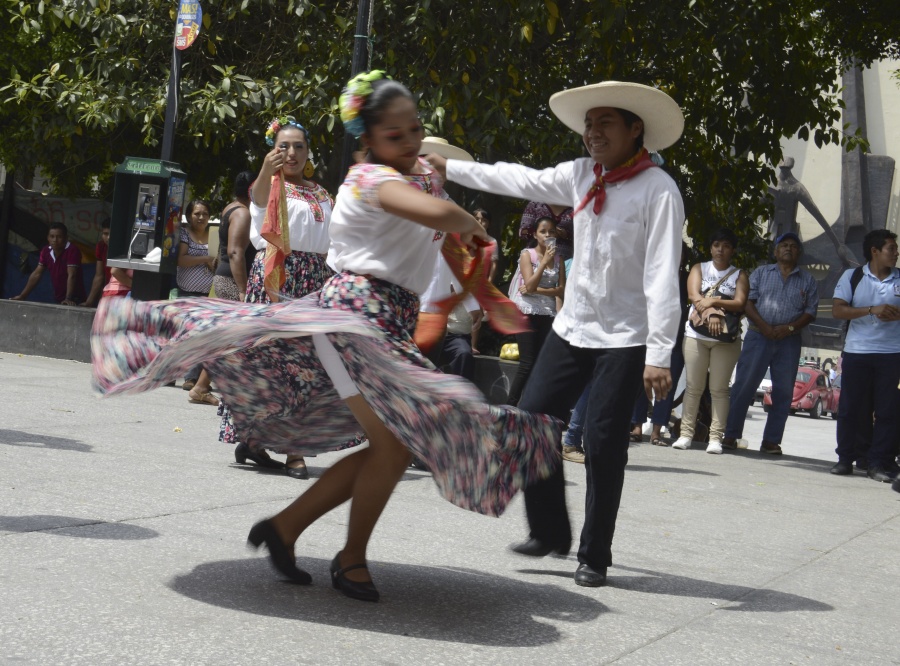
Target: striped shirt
197	279
781	301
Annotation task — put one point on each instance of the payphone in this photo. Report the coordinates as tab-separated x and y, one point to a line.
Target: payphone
146	218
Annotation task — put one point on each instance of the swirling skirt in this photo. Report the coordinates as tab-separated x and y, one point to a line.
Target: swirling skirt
267	370
305	273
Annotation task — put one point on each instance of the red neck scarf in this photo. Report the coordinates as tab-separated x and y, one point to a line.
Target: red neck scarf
631	168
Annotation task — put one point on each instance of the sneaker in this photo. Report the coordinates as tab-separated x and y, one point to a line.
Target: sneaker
573	454
682	443
715	446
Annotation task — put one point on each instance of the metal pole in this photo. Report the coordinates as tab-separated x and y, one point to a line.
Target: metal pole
5	216
168	142
358	64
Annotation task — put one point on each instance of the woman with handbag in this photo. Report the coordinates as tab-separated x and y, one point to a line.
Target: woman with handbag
712	337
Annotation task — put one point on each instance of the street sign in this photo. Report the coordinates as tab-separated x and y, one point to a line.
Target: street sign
187	25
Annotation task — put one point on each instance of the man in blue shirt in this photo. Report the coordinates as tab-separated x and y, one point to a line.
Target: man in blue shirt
783	299
871	359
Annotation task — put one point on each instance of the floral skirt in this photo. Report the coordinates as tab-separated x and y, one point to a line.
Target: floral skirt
266	367
305	273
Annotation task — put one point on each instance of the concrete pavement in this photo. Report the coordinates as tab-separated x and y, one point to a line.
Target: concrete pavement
123	524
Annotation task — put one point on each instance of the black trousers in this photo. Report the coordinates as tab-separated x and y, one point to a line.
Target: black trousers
458	355
869	385
530	344
557	381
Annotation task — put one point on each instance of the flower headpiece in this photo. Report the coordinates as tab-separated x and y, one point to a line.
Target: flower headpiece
274	127
354	98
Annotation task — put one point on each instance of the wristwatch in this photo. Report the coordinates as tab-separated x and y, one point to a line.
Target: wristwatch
790	328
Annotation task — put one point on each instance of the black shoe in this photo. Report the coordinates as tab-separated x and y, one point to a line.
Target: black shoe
537	548
588	577
280	555
862	464
299	472
242	452
842	469
351	588
881	474
729	443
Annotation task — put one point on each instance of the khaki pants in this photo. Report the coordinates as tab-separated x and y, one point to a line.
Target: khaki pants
718	359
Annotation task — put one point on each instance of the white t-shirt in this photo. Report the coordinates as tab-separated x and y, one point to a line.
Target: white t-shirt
309	215
708	278
367	240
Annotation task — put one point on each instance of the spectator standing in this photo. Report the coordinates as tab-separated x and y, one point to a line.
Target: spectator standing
562	216
540	280
869	298
102	274
236	253
783	298
62	260
715	288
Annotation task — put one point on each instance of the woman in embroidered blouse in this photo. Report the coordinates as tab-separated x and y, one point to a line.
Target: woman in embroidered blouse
309	374
309	209
542	282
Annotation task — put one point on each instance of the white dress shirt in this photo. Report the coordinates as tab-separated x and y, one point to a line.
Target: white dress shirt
622	290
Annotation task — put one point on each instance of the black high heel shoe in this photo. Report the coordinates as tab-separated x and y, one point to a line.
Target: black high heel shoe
351	588
280	555
242	452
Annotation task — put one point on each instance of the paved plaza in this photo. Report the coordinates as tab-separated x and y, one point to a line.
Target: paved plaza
123	525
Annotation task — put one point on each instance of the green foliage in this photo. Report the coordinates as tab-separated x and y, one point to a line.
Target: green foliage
89	79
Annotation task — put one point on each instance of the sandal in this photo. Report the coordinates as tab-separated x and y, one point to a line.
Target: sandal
202	398
659	441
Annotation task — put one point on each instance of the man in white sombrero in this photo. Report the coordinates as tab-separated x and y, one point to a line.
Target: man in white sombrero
621	307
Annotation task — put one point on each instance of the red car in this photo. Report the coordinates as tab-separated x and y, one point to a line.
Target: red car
813	393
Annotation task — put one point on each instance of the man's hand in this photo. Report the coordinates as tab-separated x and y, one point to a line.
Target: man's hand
886	312
780	332
438	163
657	381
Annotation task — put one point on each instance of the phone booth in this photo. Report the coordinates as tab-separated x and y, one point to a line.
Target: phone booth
146	217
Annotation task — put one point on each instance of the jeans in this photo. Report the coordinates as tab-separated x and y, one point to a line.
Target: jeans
530	344
662	409
575	431
758	354
869	385
559	377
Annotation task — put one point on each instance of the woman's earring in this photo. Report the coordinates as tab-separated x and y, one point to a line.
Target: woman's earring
309	170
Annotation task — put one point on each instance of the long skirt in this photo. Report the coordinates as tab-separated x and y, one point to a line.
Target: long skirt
279	393
305	273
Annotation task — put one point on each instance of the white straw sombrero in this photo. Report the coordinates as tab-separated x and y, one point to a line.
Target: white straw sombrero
435	144
663	120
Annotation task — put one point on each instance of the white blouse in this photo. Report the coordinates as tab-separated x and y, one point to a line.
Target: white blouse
309	214
368	241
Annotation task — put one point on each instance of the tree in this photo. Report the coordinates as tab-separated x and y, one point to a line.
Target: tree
91	87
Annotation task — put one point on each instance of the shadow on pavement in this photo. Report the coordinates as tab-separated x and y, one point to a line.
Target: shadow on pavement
75	527
741	597
666	470
434	603
36	441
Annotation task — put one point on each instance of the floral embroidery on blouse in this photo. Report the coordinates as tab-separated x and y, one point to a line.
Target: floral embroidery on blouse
313	196
364	179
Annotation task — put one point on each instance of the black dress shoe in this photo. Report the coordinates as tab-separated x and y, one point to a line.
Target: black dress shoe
298	472
352	588
242	452
537	548
842	469
588	577
280	555
771	448
881	474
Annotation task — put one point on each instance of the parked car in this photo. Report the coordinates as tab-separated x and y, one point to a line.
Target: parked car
836	389
813	393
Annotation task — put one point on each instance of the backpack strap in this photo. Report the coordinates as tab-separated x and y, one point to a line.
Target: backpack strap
855	278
